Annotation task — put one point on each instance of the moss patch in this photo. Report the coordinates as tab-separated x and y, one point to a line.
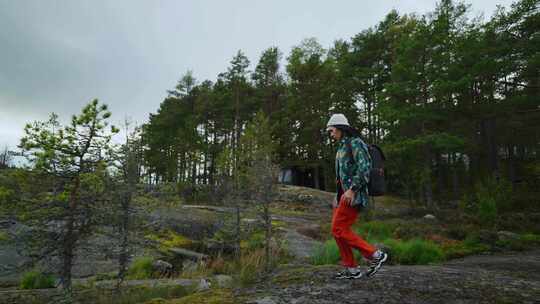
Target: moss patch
3	237
141	269
213	296
36	280
297	275
169	239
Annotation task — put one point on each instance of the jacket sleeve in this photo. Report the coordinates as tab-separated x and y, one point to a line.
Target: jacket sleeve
360	178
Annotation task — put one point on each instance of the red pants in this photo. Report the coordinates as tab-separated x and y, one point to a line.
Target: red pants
342	220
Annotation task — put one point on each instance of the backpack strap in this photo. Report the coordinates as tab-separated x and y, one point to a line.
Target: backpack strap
365	148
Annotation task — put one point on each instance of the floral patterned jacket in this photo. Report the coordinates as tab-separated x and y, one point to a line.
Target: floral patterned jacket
353	164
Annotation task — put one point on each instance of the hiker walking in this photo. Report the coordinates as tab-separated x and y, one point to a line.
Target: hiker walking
353	164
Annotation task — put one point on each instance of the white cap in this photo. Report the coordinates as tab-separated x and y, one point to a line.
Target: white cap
337	119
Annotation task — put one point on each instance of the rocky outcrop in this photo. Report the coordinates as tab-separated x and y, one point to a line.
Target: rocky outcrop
298	245
313	197
503	278
188	254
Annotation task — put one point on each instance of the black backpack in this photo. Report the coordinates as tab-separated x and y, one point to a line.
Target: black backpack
377	184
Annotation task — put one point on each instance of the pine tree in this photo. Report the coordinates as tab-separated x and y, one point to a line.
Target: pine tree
75	156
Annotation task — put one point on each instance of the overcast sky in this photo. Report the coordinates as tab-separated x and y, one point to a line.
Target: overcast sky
55	56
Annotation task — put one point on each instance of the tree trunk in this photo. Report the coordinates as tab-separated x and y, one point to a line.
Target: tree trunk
428	191
193	170
441	178
268	236
455	180
512	166
70	241
123	257
492	147
237	236
316	178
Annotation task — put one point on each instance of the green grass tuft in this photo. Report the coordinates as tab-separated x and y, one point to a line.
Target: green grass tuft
471	245
140	269
36	280
414	252
327	253
4	237
376	230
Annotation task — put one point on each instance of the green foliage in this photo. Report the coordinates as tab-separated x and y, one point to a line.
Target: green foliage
411	252
3	237
36	280
141	268
66	178
6	195
169	239
251	265
491	196
523	242
469	246
443	92
487	210
328	253
255	241
414	252
531	238
55	149
377	230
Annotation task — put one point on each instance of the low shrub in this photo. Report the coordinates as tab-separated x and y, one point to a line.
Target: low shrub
461	249
36	280
3	236
256	240
414	252
523	242
141	268
250	266
487	210
492	196
376	230
531	238
327	253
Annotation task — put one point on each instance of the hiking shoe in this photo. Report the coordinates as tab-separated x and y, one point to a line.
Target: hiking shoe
376	264
347	274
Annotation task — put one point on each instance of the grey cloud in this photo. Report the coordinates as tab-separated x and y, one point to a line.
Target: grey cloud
57	55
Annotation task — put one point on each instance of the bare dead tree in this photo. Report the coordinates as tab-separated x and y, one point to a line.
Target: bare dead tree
264	176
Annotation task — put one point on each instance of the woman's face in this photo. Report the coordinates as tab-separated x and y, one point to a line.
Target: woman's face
335	133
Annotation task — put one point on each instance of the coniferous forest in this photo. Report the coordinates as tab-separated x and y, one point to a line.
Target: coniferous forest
453	101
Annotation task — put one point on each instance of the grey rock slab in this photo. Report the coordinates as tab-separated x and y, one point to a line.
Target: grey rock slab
223	281
265	300
300	246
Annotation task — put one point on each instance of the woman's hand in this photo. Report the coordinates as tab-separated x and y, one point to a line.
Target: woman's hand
348	197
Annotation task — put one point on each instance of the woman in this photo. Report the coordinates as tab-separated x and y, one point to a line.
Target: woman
353	164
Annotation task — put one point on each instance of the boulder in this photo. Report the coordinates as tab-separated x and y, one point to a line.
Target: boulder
507	236
430	217
223	281
203	285
189	266
164	269
300	246
192	255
